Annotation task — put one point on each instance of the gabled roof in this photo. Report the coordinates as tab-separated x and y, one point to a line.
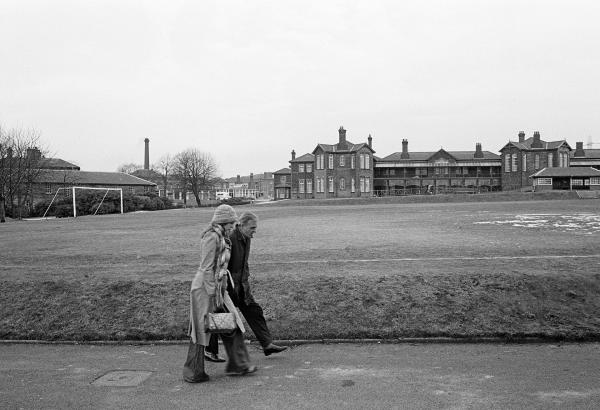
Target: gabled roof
567	172
304	158
283	171
56	163
351	147
425	156
91	178
526	144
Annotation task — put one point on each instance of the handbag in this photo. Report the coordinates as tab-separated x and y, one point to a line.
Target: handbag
220	322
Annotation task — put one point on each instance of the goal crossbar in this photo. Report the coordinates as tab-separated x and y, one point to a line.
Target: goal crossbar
73	188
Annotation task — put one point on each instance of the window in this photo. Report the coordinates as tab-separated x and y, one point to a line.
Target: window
131	189
48	188
322	161
330	161
458	171
537	161
300	168
301	186
367	162
524	167
362	184
551	160
309	186
514	162
507	163
361	161
352	189
146	188
308	167
421	171
342	161
353	162
282	179
367	184
595	181
577	182
544	181
342	184
330	183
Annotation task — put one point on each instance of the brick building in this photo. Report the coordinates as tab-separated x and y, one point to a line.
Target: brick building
282	183
584	157
522	158
302	169
407	172
572	178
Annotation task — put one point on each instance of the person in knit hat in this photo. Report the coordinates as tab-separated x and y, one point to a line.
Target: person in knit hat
209	293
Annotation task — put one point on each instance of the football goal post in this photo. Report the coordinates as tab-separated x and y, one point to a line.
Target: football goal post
74	191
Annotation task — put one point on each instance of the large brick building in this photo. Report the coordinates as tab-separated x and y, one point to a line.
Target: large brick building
522	158
341	170
436	171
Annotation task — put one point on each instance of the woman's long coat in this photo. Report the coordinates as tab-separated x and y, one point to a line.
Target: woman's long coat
204	286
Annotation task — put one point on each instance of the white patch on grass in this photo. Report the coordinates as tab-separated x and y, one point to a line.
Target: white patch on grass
583	223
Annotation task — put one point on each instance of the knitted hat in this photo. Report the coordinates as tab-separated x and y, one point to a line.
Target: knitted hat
224	214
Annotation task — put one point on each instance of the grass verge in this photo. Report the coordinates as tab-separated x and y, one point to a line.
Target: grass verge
511	306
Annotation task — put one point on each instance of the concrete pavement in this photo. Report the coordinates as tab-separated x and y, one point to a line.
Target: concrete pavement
340	376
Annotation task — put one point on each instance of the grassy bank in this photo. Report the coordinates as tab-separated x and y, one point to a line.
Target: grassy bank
561	306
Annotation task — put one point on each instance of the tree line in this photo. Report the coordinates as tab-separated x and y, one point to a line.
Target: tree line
190	170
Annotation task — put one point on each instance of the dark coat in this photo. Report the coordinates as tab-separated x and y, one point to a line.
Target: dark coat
238	264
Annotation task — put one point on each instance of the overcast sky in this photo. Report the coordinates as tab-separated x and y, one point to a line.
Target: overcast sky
248	81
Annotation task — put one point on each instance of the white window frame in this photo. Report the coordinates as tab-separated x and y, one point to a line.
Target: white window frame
537	161
353	161
544	181
309	186
367	161
342	160
300	168
514	162
330	162
507	163
362	184
283	179
367	184
301	186
342	184
48	188
330	184
551	160
524	167
361	161
308	168
352	186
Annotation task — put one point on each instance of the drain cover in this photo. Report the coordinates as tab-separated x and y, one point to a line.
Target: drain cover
122	378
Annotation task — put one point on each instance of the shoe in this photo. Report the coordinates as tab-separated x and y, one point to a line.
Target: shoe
249	370
213	357
272	348
200	379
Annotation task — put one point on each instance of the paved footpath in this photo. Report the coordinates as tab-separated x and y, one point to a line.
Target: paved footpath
340	376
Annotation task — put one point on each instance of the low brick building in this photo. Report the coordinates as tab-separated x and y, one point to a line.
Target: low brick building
573	178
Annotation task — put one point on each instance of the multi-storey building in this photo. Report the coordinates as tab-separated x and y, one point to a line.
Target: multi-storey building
527	156
584	157
341	170
419	172
302	169
282	183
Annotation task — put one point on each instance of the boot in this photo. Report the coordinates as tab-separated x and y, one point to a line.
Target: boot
193	369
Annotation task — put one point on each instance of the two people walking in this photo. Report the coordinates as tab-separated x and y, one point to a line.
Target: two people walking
221	281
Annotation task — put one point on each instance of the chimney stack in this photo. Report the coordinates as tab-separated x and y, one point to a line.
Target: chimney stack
370	139
147	154
238	180
478	151
537	143
521	136
251	183
34	154
293	155
342	133
579	152
404	154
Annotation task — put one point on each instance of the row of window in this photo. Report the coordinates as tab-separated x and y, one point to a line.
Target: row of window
68	191
321	187
574	181
364	162
511	161
424	171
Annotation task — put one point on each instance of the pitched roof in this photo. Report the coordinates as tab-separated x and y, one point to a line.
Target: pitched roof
567	172
283	171
304	158
91	178
351	147
526	144
56	163
588	153
424	156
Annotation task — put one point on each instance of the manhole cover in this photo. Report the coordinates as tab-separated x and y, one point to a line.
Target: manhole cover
122	378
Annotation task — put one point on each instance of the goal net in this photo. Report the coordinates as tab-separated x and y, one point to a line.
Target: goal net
74	190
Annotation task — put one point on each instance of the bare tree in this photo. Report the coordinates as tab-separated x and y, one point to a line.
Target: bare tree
164	166
196	170
21	162
129	168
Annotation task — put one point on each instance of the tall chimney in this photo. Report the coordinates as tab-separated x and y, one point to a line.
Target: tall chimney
404	154
342	133
251	183
370	139
478	151
521	136
579	152
537	143
293	155
238	180
147	154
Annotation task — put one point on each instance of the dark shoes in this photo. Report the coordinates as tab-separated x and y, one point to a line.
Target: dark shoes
272	348
198	379
213	357
249	370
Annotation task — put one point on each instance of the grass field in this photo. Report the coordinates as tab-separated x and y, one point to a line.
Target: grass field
512	269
